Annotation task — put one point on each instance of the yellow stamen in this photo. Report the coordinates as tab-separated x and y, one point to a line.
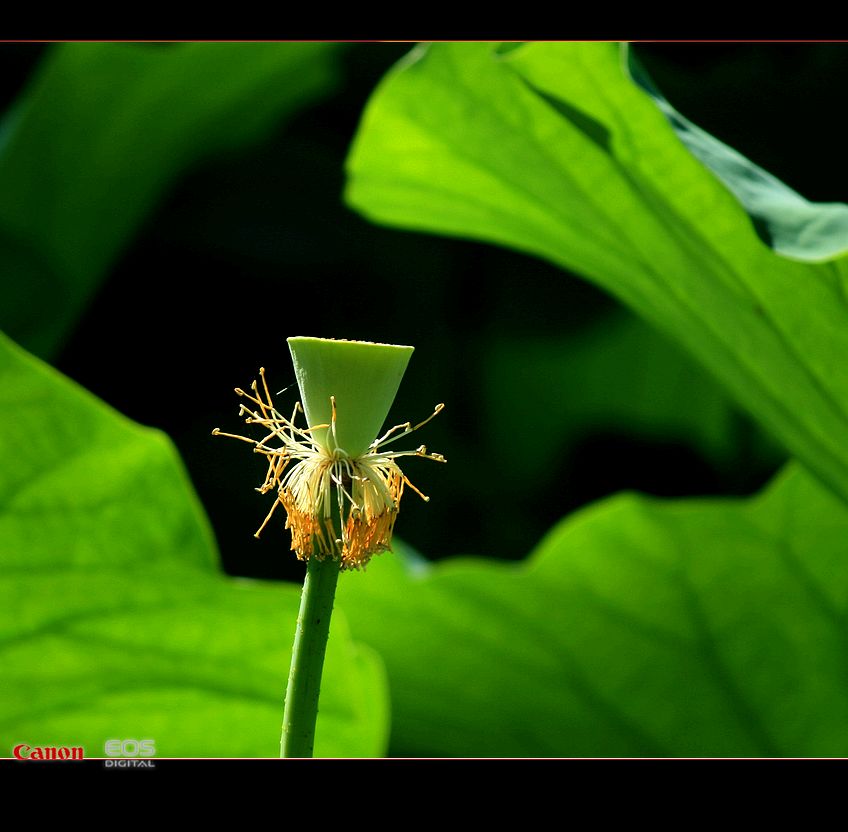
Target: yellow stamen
337	506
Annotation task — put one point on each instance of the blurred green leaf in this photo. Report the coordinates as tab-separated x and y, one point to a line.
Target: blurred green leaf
100	133
638	627
114	622
553	149
620	375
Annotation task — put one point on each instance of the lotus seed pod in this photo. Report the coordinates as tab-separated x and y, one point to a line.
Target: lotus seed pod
339	485
363	379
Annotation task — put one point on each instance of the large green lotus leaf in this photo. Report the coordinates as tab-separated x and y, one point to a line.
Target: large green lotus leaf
554	149
114	621
620	375
99	134
639	626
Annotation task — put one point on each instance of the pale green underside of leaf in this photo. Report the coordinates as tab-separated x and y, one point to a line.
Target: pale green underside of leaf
552	149
114	622
784	220
638	627
97	137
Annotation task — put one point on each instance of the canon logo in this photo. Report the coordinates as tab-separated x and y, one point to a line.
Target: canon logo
47	752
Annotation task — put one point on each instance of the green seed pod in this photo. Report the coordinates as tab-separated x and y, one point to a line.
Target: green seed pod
361	376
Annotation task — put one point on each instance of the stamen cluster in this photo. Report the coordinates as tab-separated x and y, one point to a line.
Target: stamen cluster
337	505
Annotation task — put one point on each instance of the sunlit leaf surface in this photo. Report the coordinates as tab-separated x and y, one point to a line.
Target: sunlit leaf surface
638	627
114	621
553	149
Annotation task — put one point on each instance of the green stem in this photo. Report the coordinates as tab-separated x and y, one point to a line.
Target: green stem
310	644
